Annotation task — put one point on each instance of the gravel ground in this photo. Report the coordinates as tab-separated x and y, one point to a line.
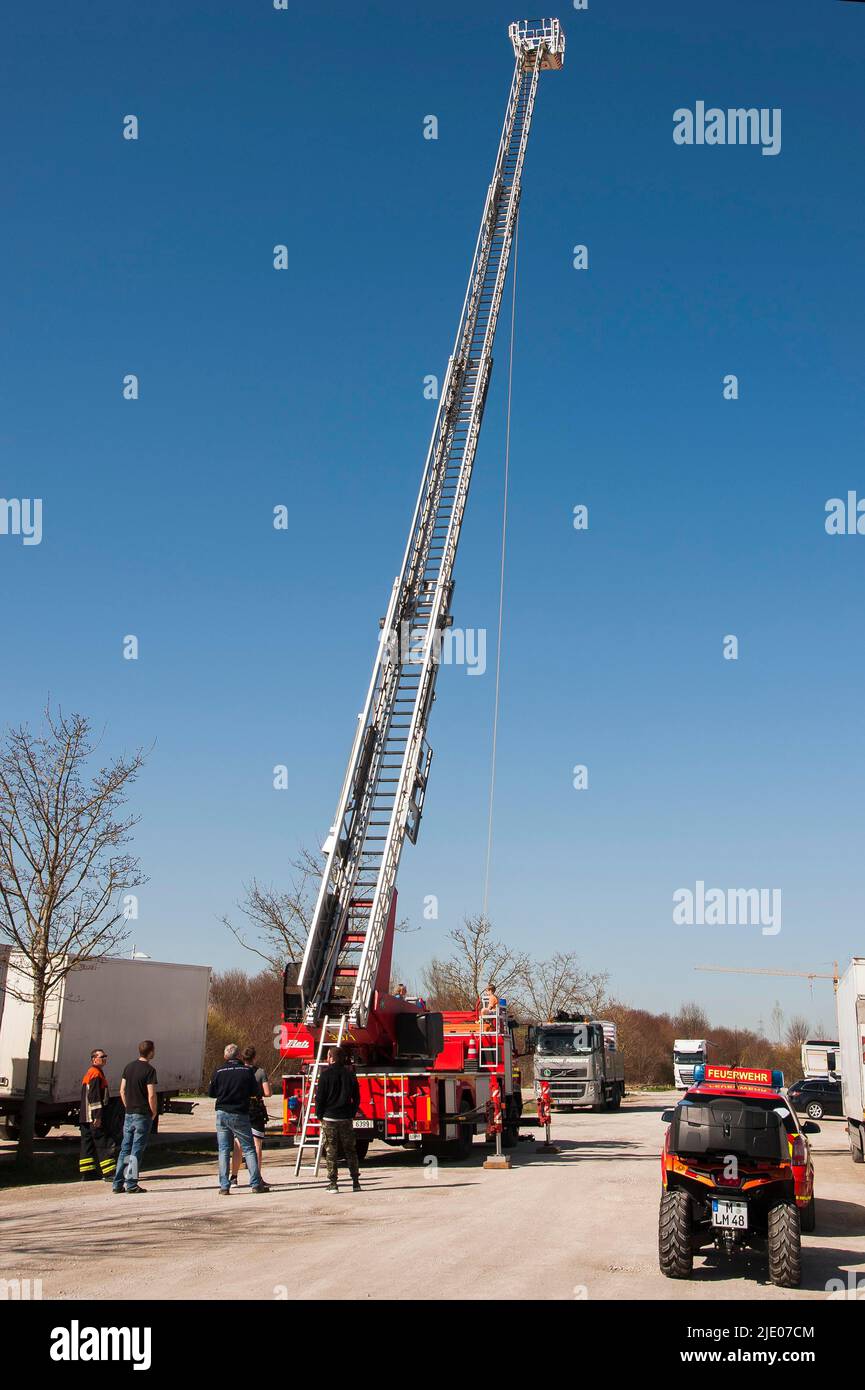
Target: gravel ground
577	1224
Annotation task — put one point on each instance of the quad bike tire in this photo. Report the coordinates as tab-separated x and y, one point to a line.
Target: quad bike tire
785	1246
675	1251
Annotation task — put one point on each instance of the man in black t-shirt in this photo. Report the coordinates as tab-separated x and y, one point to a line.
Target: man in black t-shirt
138	1094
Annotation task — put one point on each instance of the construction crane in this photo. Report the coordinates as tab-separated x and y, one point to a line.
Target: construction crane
793	974
424	1077
383	792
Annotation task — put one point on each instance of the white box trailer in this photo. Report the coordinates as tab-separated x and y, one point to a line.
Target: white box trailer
850	1002
112	1004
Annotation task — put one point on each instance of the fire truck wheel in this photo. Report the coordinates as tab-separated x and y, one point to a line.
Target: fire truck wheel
510	1137
362	1146
785	1246
675	1252
808	1217
462	1146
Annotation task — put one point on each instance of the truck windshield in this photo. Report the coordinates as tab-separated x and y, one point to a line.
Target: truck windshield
554	1043
688	1059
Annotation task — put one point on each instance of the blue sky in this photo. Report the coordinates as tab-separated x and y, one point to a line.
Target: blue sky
304	388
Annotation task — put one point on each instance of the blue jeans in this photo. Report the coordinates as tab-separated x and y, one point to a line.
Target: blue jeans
136	1131
228	1128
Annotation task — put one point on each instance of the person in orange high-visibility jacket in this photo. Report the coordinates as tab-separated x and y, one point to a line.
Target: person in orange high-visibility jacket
96	1159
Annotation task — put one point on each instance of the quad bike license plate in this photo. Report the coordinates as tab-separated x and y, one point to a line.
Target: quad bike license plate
730	1215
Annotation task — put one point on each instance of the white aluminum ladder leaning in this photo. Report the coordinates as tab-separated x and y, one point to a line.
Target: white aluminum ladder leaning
325	1043
398	1115
489	1034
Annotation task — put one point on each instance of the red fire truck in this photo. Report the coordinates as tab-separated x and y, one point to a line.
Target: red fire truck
426	1078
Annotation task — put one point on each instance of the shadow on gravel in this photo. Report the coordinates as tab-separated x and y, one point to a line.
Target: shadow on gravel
63	1166
839	1218
819	1265
597	1150
642	1109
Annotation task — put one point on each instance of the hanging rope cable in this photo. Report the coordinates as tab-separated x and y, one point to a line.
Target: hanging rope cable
502	574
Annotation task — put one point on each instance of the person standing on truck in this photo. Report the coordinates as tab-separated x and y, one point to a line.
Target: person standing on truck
232	1086
257	1114
96	1158
138	1094
489	999
337	1100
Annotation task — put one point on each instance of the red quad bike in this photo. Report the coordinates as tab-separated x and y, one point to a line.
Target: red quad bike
736	1172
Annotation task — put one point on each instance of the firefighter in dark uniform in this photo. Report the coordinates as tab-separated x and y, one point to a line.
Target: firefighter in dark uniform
97	1147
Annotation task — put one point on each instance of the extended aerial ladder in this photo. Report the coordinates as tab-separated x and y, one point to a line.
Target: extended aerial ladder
348	949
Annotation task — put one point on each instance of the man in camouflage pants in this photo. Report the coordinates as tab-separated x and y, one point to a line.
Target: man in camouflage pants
337	1099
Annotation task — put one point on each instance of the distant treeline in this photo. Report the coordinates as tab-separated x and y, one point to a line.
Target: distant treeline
247	1009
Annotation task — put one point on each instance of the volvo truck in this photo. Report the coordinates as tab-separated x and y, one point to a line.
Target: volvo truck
578	1058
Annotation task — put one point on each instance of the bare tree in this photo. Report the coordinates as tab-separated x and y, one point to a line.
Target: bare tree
280	917
691	1021
797	1031
476	960
62	865
559	983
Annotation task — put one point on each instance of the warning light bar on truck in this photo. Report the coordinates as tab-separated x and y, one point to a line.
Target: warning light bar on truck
713	1075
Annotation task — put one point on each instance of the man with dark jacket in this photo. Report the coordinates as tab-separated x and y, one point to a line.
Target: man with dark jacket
337	1098
232	1086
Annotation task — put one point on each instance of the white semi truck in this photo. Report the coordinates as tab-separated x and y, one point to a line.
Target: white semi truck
579	1059
850	1002
113	1004
688	1053
820	1057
